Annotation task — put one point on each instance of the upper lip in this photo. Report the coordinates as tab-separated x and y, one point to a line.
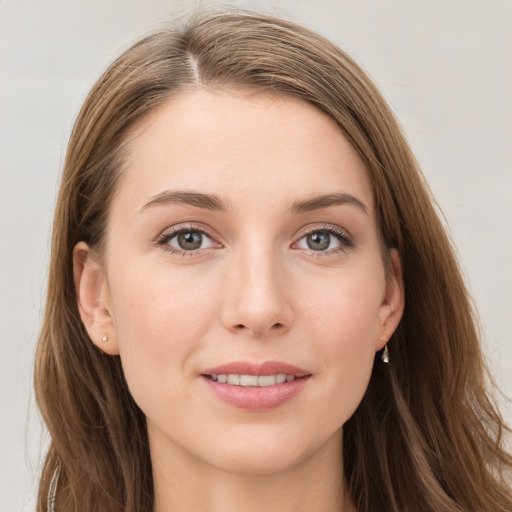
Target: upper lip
248	368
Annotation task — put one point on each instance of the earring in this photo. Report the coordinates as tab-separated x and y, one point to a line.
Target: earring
385	354
104	339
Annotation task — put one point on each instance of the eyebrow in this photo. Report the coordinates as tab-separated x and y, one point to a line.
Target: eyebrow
326	200
214	203
204	201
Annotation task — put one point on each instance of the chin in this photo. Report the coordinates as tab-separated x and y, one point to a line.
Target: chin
266	452
258	463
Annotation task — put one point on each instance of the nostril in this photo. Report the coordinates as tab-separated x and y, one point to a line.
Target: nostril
276	326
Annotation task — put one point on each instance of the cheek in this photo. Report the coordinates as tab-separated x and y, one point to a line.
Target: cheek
343	323
345	310
156	301
160	319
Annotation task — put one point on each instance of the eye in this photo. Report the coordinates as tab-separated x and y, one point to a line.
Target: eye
325	240
187	240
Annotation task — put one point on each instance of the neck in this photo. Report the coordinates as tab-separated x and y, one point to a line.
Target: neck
183	483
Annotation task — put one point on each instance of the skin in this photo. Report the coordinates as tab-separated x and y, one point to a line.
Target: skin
254	291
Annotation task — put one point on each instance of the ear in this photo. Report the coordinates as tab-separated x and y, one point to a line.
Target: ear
93	299
392	307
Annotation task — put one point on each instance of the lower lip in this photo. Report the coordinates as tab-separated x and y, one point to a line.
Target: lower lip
255	398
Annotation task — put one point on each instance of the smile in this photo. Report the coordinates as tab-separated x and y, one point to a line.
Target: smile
256	387
252	380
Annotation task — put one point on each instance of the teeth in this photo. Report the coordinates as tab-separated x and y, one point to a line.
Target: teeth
266	380
248	380
252	380
233	379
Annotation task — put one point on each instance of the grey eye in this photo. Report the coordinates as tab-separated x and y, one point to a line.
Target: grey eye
189	240
318	241
328	240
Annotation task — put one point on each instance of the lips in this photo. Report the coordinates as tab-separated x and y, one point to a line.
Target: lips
256	387
267	368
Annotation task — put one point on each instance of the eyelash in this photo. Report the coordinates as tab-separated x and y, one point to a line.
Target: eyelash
164	239
344	239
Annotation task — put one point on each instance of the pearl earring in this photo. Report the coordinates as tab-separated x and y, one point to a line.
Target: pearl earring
385	355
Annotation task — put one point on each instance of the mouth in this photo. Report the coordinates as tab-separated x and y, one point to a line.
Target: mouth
256	387
252	380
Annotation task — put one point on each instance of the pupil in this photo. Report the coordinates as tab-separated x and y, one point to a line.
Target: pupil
318	241
190	240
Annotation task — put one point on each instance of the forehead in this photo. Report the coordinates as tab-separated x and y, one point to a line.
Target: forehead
244	146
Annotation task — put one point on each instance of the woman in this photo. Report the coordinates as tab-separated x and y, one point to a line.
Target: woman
252	302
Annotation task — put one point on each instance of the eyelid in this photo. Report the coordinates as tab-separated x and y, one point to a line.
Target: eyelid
332	228
185	226
170	232
344	237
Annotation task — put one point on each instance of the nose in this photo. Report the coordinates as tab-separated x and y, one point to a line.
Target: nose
256	295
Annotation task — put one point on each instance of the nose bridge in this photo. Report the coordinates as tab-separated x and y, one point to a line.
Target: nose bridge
256	297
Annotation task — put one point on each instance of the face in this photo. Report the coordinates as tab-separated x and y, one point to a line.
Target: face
242	245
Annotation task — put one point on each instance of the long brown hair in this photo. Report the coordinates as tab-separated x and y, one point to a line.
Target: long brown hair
426	436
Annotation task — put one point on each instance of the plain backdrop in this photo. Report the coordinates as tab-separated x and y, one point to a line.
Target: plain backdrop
444	66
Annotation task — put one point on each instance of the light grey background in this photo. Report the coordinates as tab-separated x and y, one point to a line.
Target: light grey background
444	65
